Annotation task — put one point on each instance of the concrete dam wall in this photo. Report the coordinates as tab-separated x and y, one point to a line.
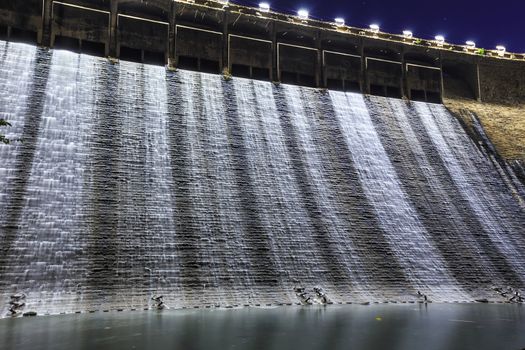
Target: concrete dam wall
132	180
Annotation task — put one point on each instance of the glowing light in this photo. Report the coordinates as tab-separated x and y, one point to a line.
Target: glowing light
340	22
471	44
264	7
303	14
374	28
501	50
440	39
407	34
224	2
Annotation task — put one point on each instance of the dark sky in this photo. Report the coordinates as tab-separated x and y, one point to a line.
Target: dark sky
487	22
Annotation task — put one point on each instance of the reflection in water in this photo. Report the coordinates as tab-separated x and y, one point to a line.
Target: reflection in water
413	326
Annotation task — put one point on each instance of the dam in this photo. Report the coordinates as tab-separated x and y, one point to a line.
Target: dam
308	162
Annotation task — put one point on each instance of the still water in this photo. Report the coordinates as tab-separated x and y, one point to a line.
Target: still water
410	326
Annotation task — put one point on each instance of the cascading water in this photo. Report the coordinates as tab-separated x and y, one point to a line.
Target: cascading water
130	181
405	233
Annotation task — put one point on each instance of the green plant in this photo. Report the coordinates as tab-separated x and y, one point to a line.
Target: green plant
226	74
481	52
418	41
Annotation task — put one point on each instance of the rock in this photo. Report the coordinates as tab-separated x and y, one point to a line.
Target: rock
18	296
482	300
29	314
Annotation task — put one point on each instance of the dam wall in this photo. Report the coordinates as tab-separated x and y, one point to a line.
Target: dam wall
132	180
211	36
180	167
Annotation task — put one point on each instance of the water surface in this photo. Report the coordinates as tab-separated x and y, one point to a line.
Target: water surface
402	326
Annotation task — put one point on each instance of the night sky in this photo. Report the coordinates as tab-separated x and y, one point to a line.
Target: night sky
488	23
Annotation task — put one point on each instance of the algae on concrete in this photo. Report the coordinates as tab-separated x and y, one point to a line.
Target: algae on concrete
504	124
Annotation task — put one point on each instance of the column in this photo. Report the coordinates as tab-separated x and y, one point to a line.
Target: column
275	74
405	89
320	73
45	35
225	64
172	37
364	76
112	48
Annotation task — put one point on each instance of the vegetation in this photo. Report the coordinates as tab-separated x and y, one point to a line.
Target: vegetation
481	52
4	139
226	74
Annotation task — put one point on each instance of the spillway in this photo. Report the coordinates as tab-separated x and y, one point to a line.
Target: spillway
128	180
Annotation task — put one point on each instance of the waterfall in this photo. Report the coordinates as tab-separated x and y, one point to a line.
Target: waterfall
17	66
412	244
131	181
469	168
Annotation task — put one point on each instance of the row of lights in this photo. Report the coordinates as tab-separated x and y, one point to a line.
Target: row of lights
374	28
440	40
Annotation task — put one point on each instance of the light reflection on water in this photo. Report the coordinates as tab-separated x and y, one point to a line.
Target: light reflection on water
438	326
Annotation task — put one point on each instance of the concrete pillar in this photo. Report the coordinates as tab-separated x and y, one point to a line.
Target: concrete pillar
320	71
225	64
45	34
276	75
112	49
405	88
442	83
364	75
477	90
172	37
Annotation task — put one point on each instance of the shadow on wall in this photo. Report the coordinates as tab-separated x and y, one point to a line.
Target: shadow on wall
460	80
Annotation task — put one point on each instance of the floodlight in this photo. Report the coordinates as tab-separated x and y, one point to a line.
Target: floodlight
407	34
440	39
264	7
501	50
340	22
303	14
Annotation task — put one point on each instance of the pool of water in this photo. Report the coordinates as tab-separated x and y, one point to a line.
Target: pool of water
436	326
